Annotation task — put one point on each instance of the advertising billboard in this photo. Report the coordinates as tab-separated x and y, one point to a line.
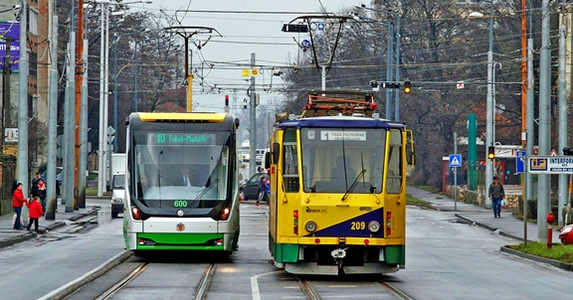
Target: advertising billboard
12	30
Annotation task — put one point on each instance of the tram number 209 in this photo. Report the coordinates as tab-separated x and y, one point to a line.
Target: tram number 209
180	203
357	225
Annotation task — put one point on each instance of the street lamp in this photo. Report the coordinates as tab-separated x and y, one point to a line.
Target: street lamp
489	135
115	40
104	78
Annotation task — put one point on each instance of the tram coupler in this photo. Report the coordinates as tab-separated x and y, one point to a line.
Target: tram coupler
338	253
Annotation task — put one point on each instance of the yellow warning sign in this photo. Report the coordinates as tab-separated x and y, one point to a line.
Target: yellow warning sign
245	72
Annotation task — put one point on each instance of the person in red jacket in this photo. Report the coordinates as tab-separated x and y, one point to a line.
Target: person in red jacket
18	201
35	212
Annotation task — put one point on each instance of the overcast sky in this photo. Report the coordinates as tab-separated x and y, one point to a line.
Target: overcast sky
243	34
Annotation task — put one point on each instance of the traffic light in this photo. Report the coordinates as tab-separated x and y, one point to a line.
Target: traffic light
226	100
491	152
407	87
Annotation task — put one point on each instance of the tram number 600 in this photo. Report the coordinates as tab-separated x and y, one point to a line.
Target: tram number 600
180	203
357	225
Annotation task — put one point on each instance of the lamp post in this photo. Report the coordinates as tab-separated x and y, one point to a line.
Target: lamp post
115	40
104	6
489	110
490	99
104	78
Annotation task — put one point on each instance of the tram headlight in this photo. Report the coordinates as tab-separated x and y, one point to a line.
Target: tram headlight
374	226
310	226
136	213
224	215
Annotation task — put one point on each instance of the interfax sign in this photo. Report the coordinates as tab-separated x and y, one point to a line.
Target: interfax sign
550	164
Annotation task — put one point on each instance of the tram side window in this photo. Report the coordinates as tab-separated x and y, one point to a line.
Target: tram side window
394	179
290	164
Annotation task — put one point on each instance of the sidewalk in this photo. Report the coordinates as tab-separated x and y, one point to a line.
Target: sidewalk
9	237
507	225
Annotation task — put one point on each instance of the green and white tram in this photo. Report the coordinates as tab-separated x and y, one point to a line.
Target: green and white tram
166	209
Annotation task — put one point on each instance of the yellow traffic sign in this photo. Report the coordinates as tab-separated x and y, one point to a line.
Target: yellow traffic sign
255	72
245	72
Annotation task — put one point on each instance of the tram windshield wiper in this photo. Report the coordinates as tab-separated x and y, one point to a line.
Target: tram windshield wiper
207	189
354	184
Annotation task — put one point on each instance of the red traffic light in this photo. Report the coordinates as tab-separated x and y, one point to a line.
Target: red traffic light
226	100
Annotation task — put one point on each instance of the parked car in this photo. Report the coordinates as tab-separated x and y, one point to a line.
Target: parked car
250	189
566	234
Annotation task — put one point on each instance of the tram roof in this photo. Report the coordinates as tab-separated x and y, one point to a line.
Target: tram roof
340	121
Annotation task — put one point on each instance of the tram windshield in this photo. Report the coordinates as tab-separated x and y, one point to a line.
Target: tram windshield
171	168
338	160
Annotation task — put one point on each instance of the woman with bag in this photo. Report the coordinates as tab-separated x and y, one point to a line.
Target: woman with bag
18	201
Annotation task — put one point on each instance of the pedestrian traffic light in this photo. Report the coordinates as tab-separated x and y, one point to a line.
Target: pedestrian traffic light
407	87
491	152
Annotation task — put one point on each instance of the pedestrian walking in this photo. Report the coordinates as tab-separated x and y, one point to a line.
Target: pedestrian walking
496	194
39	189
35	212
264	190
18	201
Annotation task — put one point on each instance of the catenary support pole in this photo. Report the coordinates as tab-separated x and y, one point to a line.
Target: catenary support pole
51	197
544	181
23	172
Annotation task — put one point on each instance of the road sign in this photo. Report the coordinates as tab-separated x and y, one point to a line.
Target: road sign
455	160
553	152
520	161
460	85
550	164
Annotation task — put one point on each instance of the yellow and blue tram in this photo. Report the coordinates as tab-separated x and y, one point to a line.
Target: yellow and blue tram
338	187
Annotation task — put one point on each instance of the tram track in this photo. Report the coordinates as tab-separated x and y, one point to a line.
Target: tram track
395	291
308	290
107	294
203	287
316	290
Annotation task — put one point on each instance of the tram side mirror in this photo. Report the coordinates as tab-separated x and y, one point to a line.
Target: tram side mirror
276	152
267	160
409	147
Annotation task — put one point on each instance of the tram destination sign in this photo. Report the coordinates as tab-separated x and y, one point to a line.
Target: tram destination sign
550	164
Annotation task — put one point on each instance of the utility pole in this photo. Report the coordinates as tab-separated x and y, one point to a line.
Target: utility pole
563	141
544	182
6	89
79	70
253	122
23	105
51	201
69	126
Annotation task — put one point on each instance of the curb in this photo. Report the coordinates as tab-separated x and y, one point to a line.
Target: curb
553	262
29	235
